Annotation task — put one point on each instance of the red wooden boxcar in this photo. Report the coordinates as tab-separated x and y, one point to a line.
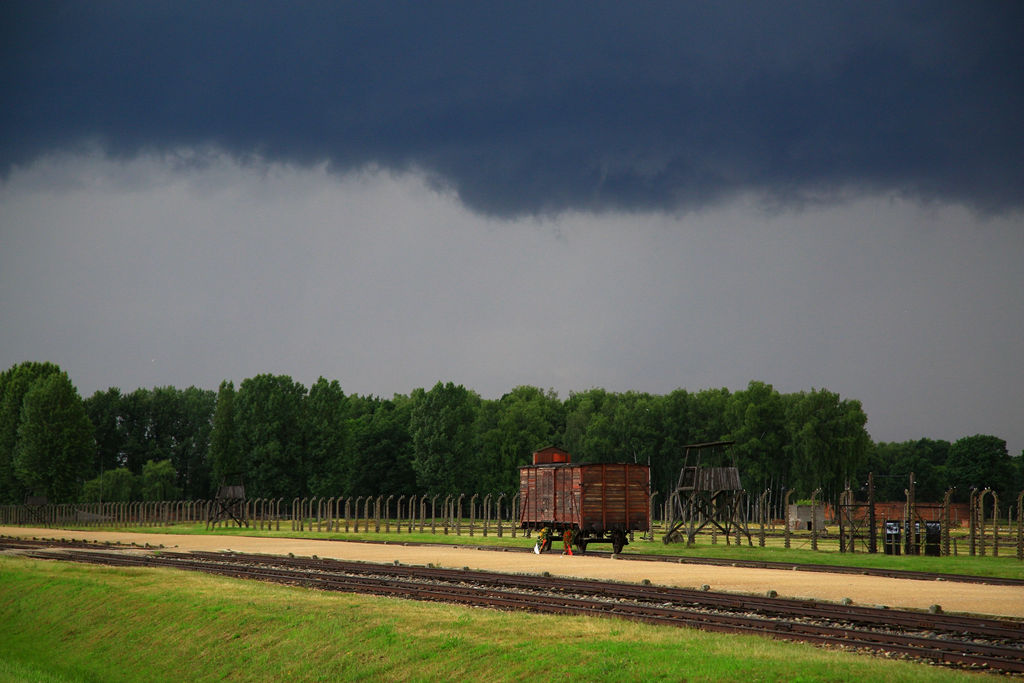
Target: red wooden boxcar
598	502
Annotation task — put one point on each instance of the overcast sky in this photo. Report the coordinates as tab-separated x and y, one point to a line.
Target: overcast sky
634	197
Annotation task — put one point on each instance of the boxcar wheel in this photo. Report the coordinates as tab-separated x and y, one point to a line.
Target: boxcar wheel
618	541
581	544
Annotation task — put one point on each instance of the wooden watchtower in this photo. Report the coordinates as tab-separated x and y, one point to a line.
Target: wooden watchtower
228	505
35	509
707	495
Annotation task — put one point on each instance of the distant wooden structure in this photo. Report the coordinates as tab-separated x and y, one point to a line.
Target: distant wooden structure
35	507
228	505
707	496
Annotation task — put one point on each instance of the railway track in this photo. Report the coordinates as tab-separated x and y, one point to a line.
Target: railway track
711	561
953	640
838	569
753	564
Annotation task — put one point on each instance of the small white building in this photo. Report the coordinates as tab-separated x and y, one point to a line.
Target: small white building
801	517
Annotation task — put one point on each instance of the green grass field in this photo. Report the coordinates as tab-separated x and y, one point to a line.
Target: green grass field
70	622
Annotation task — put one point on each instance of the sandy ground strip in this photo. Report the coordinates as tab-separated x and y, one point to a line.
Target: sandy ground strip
863	590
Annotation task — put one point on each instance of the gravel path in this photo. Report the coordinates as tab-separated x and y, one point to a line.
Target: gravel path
863	590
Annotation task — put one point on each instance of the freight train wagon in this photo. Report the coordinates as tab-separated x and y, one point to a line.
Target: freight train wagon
599	503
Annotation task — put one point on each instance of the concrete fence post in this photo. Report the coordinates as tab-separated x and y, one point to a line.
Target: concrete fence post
785	513
814	518
843	497
458	518
487	512
1020	526
981	521
516	502
944	533
972	523
497	513
366	513
445	513
995	524
763	516
472	512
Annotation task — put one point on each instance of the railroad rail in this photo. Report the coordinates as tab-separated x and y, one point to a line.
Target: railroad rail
716	562
837	569
747	564
953	640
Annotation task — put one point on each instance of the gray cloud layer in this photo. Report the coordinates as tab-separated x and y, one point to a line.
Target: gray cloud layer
139	275
525	108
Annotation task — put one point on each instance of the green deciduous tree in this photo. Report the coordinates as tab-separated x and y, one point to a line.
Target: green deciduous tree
379	459
270	436
756	419
158	481
981	461
163	423
15	383
284	442
441	424
105	414
827	440
590	433
139	444
118	485
181	423
509	430
893	463
327	436
225	458
708	415
676	432
55	445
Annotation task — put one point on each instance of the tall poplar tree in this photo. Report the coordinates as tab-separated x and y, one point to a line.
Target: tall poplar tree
224	454
327	436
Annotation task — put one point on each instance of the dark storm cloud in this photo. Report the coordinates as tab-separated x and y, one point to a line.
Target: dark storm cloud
525	108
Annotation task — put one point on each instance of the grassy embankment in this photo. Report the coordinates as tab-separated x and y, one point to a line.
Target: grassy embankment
1005	565
69	622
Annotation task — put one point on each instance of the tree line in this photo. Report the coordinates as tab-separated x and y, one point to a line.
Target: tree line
281	439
